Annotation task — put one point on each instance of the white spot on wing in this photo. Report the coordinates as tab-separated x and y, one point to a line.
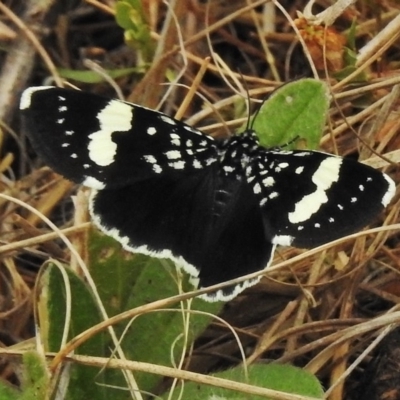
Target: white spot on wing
257	188
93	183
157	169
273	195
193	130
229	168
151	130
26	97
326	174
210	161
116	116
167	119
197	164
173	154
390	191
282	240
177	164
150	159
280	152
269	181
299	170
175	139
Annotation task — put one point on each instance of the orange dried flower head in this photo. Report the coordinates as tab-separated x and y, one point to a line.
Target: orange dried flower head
323	42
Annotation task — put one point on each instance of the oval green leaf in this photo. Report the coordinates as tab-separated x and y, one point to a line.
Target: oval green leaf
294	115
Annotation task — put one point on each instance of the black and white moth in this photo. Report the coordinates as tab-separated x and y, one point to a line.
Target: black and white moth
217	208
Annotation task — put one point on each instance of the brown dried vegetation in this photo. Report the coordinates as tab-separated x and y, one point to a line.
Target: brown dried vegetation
323	309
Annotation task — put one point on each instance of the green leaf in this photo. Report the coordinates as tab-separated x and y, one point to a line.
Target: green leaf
350	57
346	71
94	77
122	14
352	36
161	328
84	381
113	270
35	384
7	392
130	16
284	378
295	113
